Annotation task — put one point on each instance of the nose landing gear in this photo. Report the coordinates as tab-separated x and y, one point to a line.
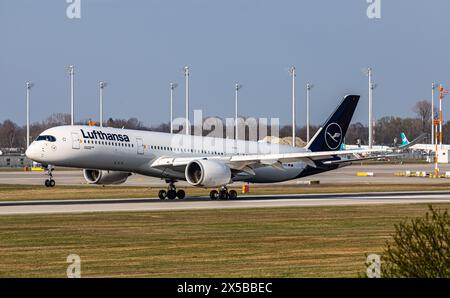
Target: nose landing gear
49	182
171	192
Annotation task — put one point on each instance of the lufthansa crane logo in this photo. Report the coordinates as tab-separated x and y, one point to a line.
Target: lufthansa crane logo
333	135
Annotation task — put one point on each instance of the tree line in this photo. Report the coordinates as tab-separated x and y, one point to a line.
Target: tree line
386	129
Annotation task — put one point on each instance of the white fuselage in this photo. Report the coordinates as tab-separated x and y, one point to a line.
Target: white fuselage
429	147
102	148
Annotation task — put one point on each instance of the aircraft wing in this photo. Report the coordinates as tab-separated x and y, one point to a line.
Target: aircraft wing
344	160
412	143
239	162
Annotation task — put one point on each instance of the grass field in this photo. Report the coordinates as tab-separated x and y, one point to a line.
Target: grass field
276	242
38	192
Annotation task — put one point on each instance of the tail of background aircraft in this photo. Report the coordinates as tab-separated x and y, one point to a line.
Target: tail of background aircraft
404	139
330	136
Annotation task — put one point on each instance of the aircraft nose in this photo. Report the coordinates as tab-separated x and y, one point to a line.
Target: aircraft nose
31	152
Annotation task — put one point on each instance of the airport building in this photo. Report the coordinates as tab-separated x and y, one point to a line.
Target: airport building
14	160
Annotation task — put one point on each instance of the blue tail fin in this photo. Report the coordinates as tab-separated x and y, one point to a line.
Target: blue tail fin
332	133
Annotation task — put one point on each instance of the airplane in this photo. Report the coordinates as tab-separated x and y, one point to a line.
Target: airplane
422	147
405	145
364	147
404	139
111	155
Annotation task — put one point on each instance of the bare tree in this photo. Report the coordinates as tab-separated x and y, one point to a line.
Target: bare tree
423	111
8	133
56	120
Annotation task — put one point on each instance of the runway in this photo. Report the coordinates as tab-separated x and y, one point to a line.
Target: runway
203	203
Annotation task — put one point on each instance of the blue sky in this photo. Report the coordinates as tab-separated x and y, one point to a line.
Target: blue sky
139	47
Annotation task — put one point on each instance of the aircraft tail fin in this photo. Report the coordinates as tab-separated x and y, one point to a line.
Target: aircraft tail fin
331	134
404	139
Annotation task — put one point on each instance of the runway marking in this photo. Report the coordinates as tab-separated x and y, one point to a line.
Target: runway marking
202	203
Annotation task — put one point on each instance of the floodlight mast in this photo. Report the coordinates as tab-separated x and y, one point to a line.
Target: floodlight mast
371	87
186	75
102	86
71	74
172	87
308	89
28	86
292	71
237	88
433	87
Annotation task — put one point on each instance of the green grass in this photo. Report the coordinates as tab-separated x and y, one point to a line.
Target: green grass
272	242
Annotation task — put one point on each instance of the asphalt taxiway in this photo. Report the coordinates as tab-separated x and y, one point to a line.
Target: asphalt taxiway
199	203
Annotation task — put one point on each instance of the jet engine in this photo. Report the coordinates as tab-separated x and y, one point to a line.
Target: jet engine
105	177
207	173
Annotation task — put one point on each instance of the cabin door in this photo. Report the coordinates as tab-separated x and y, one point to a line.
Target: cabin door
75	140
140	146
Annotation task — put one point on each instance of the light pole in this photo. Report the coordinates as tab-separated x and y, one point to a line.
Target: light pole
237	87
71	74
102	85
308	89
172	87
433	87
371	87
28	85
292	72
186	76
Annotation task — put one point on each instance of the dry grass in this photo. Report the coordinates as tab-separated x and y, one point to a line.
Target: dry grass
275	242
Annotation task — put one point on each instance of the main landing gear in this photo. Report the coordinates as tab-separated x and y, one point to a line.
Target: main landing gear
171	192
49	182
223	194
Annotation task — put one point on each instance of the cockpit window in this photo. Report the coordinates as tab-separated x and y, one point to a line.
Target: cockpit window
46	138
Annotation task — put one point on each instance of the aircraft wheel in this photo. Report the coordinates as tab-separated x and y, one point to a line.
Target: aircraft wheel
171	194
51	183
214	195
223	195
181	194
162	194
232	195
47	183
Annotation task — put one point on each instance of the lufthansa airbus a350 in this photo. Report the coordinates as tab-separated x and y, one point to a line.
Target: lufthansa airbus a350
111	155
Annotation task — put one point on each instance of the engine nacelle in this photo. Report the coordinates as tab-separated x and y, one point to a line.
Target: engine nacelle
207	173
105	177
